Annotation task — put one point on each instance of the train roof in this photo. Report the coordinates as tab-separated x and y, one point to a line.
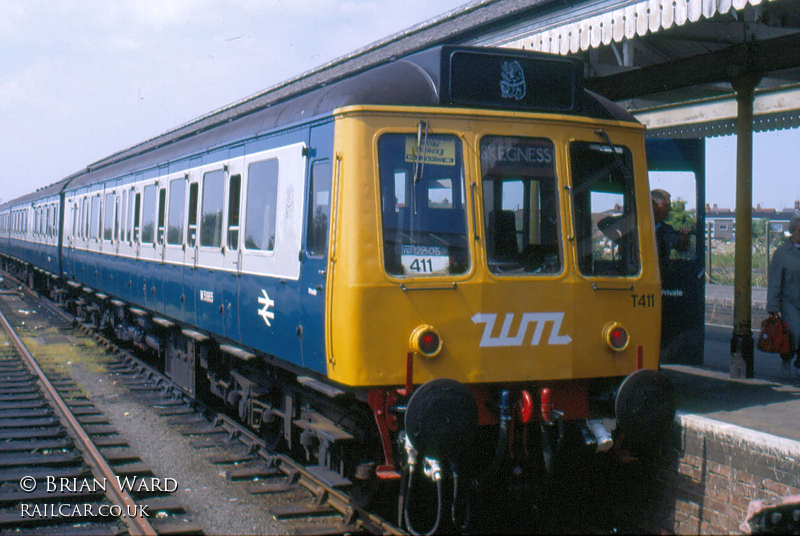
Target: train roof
441	76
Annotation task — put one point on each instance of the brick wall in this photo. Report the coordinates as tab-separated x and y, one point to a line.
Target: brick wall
705	479
701	482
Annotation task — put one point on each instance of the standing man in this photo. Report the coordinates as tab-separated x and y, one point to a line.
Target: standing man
783	291
667	237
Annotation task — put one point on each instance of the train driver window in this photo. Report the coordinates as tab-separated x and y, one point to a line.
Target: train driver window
604	209
211	222
262	200
320	210
423	205
520	205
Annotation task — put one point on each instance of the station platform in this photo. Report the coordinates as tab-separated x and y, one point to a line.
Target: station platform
768	402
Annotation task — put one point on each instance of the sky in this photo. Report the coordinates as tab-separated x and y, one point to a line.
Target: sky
83	79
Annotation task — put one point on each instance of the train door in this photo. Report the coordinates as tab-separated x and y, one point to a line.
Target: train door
174	252
315	266
209	252
678	167
271	231
228	283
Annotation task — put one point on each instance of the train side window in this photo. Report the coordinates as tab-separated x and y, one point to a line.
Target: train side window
108	219
131	220
520	205
177	207
149	214
137	212
604	209
74	230
162	206
116	218
234	197
85	218
94	222
424	213
261	200
122	215
192	222
320	209
211	221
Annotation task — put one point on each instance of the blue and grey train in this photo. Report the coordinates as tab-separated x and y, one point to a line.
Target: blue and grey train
396	275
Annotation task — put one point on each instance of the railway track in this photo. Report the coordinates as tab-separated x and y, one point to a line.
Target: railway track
302	499
63	468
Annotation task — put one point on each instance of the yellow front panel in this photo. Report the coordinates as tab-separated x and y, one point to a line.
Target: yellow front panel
494	329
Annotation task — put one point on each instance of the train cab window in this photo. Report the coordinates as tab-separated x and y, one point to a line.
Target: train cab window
424	214
520	205
234	197
320	209
108	219
262	200
149	214
177	202
604	209
211	221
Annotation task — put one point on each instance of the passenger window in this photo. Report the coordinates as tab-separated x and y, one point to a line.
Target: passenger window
137	218
85	218
94	223
116	219
604	209
149	214
520	205
108	219
131	220
262	199
211	222
234	195
320	209
192	223
162	205
123	216
177	203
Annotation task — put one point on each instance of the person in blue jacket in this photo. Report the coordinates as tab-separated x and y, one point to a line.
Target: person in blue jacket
783	292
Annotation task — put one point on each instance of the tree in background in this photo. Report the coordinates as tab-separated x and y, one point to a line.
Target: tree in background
680	218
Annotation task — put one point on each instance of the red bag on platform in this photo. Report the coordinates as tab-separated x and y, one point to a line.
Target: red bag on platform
774	336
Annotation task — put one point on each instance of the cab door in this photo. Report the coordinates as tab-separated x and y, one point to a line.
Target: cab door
678	166
315	266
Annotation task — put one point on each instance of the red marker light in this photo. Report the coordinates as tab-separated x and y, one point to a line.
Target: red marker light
546	404
616	337
426	341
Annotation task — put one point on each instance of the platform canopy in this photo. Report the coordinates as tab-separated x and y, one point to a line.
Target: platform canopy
671	62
